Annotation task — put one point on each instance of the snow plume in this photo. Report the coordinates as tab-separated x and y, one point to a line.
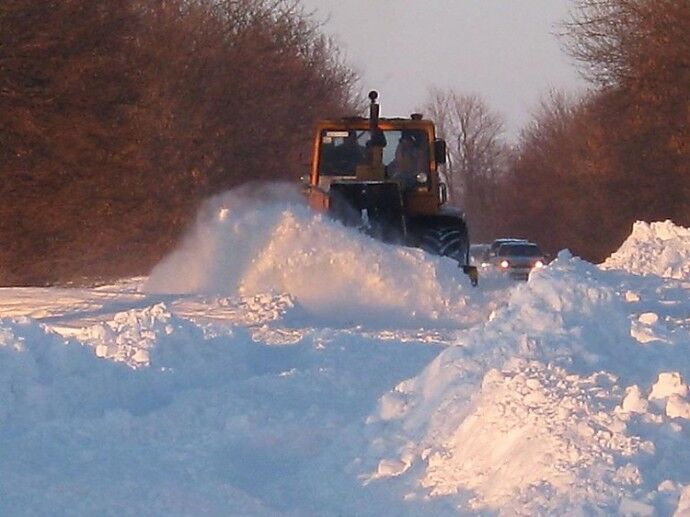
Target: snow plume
265	239
660	248
230	230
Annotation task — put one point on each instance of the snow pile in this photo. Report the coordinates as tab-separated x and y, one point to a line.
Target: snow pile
85	435
221	425
260	308
669	395
659	248
247	245
534	432
525	414
45	377
153	336
130	335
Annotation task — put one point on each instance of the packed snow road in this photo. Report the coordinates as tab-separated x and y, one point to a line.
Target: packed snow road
278	363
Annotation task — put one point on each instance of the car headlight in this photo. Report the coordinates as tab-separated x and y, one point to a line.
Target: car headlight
505	264
422	177
538	264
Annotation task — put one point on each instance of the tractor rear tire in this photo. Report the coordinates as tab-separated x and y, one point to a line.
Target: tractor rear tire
446	241
451	242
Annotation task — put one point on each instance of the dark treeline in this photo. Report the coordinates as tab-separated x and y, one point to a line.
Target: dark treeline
117	117
585	169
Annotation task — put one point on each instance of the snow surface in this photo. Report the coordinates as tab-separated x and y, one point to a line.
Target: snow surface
281	364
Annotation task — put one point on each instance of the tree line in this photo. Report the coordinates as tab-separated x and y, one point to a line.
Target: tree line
585	168
117	117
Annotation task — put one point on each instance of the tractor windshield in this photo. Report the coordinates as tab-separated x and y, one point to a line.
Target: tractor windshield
341	151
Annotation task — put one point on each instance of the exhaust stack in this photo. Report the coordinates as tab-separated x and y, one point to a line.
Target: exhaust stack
378	140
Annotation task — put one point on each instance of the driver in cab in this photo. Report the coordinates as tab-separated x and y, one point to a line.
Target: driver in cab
408	161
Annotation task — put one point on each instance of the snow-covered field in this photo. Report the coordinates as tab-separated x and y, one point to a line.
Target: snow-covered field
281	364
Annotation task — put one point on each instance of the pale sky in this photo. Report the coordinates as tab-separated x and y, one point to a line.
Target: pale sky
503	50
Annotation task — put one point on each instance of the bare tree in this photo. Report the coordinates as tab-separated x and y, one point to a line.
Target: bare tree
476	147
619	42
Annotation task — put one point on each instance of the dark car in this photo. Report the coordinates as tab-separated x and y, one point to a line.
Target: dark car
493	249
479	253
518	259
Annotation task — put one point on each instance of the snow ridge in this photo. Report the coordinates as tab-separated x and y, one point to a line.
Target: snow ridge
524	414
659	248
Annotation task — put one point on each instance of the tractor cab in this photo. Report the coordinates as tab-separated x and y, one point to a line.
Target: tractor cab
382	175
396	150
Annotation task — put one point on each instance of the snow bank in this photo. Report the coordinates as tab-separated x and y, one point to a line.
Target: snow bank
85	435
217	425
536	434
538	411
660	248
42	375
267	240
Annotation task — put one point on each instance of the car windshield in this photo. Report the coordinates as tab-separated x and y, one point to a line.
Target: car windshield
502	242
519	250
342	151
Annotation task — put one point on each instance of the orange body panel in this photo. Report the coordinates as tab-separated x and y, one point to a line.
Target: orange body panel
424	202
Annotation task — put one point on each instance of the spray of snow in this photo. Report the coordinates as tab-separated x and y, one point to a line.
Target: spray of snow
265	240
660	248
231	229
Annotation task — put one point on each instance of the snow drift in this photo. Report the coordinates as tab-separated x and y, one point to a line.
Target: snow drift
540	410
660	248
